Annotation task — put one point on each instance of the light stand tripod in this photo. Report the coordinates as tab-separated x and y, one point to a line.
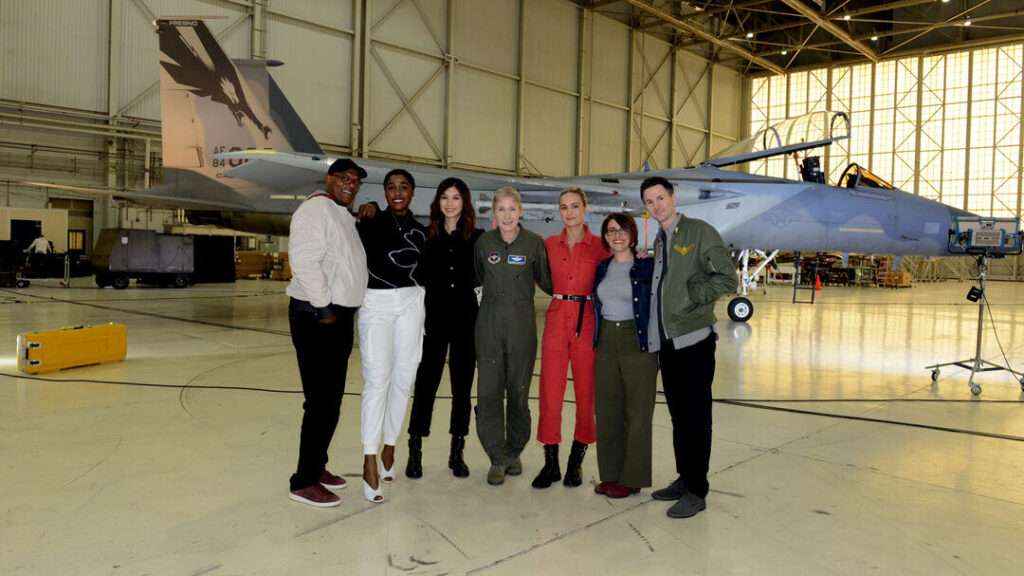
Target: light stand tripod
977	364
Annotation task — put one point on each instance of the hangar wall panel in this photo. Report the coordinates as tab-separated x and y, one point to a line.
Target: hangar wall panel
317	75
552	43
726	111
334	13
421	25
484	126
395	79
609	132
608	76
692	80
550	132
55	53
487	34
653	69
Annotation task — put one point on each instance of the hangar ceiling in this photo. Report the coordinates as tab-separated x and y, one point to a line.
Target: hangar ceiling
776	36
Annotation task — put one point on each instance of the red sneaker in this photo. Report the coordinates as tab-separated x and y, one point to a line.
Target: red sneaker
315	495
332	482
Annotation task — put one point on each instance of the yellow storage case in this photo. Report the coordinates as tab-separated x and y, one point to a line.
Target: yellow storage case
53	350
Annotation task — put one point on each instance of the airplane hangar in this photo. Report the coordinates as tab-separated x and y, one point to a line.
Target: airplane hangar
843	443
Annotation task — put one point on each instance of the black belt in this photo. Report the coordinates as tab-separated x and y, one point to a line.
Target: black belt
583	299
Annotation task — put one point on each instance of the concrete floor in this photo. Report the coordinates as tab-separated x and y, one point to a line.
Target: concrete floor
834	453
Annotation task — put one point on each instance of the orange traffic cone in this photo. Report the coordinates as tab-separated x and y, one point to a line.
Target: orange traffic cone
817	282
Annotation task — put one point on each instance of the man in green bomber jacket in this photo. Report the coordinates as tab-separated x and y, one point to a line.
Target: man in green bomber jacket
692	270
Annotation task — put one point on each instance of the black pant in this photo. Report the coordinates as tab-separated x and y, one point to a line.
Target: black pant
322	351
454	337
686	377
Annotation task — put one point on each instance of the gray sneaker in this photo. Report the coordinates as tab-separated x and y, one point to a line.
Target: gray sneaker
514	467
687	505
673	491
496	475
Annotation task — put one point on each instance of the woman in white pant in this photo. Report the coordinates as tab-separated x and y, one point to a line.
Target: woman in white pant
390	326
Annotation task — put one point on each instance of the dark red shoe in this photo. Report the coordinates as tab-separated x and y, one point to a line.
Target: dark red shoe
602	488
315	495
616	490
332	482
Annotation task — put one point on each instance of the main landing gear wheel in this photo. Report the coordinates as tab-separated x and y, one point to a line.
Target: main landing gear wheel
181	281
740	309
935	375
975	389
1022	383
120	282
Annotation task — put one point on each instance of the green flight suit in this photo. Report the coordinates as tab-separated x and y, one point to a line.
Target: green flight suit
506	338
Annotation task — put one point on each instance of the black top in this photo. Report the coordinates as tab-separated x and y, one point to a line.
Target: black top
449	270
394	250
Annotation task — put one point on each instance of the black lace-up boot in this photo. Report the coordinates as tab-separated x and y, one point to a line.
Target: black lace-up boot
551	472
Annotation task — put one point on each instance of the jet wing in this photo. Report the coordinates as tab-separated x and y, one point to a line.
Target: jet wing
812	130
151	197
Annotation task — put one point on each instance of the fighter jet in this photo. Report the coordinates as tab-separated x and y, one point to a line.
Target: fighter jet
237	155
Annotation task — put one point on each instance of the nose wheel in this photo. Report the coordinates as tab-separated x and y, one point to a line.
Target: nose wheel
740	309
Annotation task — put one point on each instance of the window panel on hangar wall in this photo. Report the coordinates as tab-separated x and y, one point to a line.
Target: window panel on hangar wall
966	148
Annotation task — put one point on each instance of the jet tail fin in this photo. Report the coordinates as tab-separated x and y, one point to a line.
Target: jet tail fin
210	103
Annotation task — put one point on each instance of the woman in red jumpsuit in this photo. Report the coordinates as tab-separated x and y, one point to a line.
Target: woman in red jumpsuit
569	339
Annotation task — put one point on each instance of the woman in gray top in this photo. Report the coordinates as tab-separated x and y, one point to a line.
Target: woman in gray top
626	373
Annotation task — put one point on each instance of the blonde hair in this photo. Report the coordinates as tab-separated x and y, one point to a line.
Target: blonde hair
574	190
507	192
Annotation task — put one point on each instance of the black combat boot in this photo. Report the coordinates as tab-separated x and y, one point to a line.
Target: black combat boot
455	461
414	469
574	467
551	472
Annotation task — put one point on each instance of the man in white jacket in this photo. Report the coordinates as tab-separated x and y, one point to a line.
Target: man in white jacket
329	278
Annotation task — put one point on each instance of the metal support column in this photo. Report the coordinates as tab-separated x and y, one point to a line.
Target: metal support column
356	126
967	137
674	103
918	127
449	84
521	89
632	100
581	58
364	123
711	108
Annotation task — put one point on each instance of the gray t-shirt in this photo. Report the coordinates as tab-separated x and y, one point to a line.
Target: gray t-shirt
615	293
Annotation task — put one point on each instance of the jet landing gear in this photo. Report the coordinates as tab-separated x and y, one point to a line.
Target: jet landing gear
740	308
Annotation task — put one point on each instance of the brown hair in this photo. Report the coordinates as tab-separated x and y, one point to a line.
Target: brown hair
467	219
626	222
574	190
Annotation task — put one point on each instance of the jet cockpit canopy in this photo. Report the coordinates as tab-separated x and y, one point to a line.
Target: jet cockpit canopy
811	130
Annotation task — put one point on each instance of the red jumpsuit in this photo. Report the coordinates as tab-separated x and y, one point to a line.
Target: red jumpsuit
572	274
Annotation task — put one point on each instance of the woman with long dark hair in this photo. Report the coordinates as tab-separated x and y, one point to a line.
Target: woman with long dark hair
451	313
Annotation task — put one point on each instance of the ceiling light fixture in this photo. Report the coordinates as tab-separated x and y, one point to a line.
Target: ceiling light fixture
750	34
784	52
846	16
968	21
874	38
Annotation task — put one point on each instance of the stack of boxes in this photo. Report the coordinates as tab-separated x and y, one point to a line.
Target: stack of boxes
252	264
280	270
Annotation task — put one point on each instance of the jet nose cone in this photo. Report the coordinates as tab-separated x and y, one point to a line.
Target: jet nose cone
958	213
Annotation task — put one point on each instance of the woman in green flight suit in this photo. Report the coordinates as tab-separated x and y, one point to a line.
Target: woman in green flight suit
509	260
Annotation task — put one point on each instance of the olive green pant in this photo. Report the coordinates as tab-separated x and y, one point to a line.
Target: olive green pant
506	347
625	388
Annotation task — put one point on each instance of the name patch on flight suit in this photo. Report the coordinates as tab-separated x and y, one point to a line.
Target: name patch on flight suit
682	250
494	258
517	260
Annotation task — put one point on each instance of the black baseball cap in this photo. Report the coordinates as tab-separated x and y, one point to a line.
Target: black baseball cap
343	164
